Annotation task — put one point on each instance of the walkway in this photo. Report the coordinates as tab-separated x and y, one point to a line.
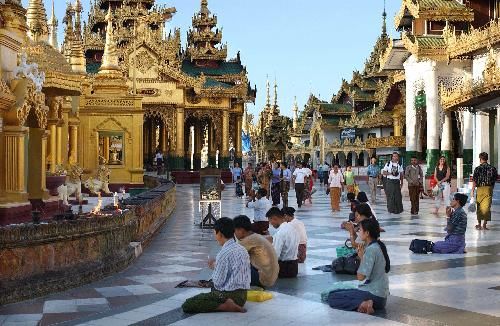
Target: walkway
425	289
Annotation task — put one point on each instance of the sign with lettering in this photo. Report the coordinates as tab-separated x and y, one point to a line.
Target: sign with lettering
349	133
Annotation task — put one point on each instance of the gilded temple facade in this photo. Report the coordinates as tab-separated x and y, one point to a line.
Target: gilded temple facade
449	52
364	119
193	100
117	90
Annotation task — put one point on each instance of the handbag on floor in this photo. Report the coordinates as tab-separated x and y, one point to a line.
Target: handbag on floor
347	265
345	250
421	246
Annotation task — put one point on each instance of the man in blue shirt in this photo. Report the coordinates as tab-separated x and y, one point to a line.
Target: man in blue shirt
373	175
231	276
285	177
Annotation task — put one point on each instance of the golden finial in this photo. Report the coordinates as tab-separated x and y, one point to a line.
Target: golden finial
268	99
384	24
275	93
36	18
109	58
53	23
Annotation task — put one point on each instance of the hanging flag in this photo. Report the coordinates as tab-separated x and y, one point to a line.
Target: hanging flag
246	145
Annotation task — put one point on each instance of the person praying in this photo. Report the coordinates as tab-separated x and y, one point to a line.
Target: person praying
285	242
454	242
263	259
231	276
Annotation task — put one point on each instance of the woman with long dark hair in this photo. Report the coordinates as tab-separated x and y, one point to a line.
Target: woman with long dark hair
442	176
372	294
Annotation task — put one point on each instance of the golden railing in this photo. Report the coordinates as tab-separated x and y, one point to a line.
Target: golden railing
470	89
391	141
474	40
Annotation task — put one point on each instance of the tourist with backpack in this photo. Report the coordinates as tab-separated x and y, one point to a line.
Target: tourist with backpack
393	184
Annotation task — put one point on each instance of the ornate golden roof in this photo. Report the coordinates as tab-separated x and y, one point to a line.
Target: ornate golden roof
58	73
432	47
472	41
386	142
435	10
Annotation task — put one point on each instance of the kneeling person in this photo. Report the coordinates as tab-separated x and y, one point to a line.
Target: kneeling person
231	276
285	243
454	243
263	259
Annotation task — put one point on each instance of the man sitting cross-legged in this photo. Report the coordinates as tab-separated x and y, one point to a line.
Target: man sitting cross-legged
231	276
285	243
263	259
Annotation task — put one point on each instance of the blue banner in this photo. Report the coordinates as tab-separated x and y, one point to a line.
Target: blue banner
246	145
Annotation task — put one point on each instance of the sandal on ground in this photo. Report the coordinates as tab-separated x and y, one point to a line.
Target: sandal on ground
478	227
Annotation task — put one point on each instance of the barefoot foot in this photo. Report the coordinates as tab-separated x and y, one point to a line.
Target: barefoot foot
231	306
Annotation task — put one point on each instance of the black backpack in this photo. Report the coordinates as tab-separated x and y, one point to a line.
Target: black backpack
421	246
346	265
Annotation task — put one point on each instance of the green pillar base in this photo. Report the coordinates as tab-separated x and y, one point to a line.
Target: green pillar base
223	162
211	162
468	158
197	163
432	160
177	163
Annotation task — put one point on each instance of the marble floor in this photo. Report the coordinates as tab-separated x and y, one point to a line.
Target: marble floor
425	289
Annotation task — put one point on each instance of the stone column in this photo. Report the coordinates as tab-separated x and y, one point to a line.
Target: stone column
52	145
153	138
446	138
164	138
433	115
59	145
73	144
145	140
482	136
411	119
13	183
212	147
198	130
105	148
37	147
468	141
397	121
239	129
224	154
497	147
178	159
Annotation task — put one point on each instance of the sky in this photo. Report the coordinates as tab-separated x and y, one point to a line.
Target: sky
307	46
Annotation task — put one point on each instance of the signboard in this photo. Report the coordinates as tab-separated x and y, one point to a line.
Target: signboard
349	133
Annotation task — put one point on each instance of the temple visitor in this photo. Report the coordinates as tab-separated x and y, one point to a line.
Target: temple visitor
308	188
393	184
336	184
414	177
285	242
301	230
275	184
260	205
375	264
264	177
363	198
231	275
263	259
351	198
361	213
454	242
320	174
349	179
285	177
484	179
373	173
159	161
248	176
298	178
237	172
442	176
326	173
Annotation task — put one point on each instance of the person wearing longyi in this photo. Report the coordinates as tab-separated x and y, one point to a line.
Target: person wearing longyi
454	242
231	276
263	259
285	243
260	204
300	228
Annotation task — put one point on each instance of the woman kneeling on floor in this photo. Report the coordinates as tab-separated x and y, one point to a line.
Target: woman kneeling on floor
375	264
456	225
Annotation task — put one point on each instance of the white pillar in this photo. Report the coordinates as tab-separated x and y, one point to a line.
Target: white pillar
460	172
468	141
482	136
433	114
446	133
497	146
353	159
411	119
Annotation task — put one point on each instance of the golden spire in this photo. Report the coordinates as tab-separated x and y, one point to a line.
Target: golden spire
275	93
295	111
268	99
384	24
36	17
78	9
109	59
53	23
204	7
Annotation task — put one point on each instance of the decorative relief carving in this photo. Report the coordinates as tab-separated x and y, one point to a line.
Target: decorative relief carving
144	61
149	92
109	102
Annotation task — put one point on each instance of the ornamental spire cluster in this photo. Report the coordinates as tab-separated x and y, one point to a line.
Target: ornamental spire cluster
36	18
204	44
53	23
110	58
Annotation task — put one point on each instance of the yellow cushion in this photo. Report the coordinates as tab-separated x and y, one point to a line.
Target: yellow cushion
258	296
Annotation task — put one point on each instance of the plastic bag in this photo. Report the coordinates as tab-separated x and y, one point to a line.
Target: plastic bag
258	296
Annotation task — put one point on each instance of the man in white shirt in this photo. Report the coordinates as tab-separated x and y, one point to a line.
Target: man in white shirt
285	243
393	171
301	230
260	205
299	176
336	184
